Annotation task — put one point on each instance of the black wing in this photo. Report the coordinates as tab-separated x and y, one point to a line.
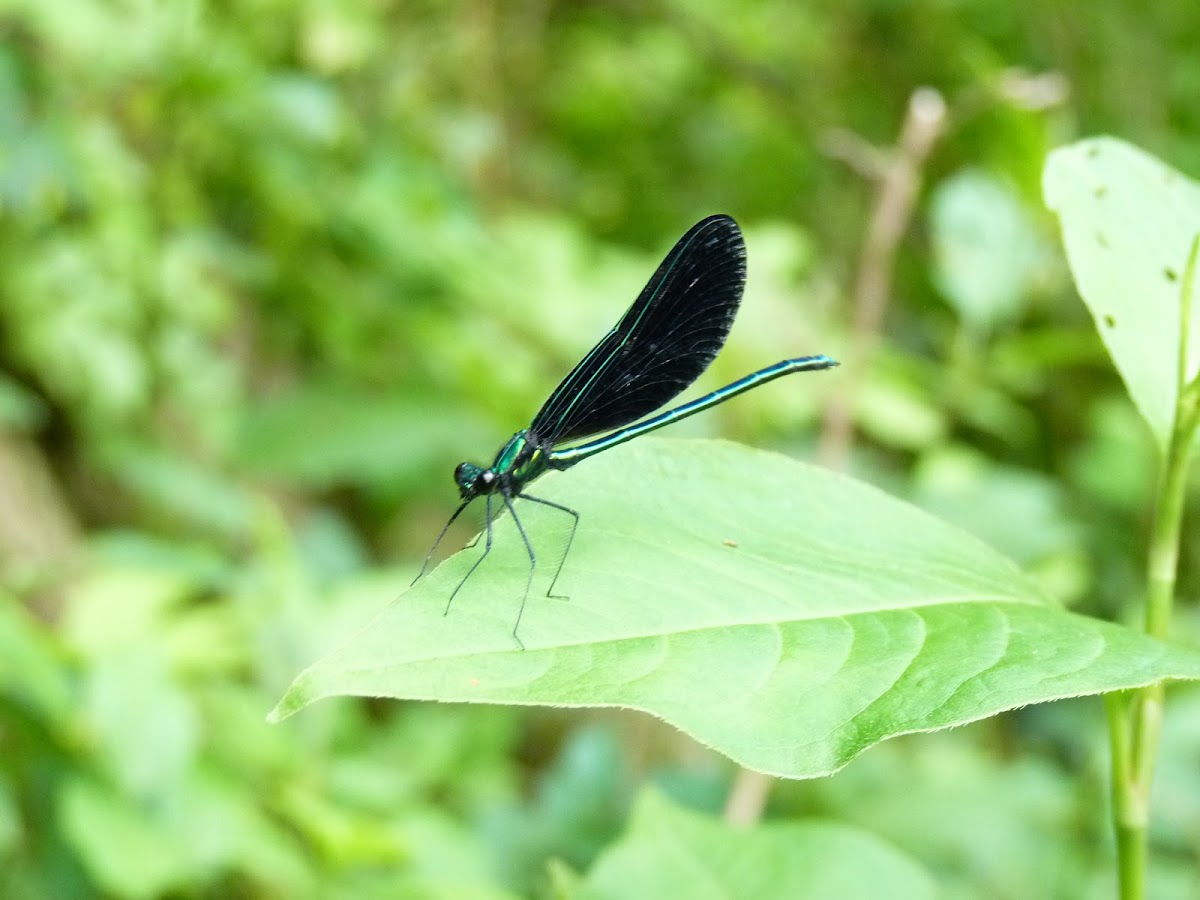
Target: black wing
668	337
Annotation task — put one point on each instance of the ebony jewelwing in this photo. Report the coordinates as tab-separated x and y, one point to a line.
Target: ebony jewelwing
664	341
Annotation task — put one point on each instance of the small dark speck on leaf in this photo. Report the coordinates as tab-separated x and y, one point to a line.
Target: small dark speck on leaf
1170	274
1092	152
1110	321
1100	191
1101	239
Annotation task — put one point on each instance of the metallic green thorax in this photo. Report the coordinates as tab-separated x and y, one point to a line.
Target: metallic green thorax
519	462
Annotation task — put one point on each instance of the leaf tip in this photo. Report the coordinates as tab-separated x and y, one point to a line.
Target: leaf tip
298	696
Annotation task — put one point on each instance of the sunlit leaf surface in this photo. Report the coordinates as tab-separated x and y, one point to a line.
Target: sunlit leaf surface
787	616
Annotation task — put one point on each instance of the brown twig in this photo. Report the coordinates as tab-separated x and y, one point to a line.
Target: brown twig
898	176
38	531
895	198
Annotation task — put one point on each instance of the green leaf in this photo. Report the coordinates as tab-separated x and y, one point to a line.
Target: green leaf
176	840
145	729
785	615
986	249
120	847
1128	222
33	676
671	852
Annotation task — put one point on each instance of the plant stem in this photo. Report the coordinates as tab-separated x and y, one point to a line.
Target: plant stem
1135	717
1130	815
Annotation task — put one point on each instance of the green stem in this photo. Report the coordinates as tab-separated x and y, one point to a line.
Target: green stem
1130	814
1135	717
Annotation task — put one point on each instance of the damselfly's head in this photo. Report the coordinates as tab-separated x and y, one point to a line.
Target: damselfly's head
473	480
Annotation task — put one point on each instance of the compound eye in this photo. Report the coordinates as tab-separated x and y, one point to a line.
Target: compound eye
472	479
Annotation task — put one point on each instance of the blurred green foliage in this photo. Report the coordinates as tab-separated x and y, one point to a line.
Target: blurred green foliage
269	269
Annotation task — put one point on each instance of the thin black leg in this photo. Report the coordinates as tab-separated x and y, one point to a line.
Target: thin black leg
574	525
433	549
532	565
487	548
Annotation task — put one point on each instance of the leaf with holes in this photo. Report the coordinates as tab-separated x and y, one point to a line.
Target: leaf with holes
785	615
1128	222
